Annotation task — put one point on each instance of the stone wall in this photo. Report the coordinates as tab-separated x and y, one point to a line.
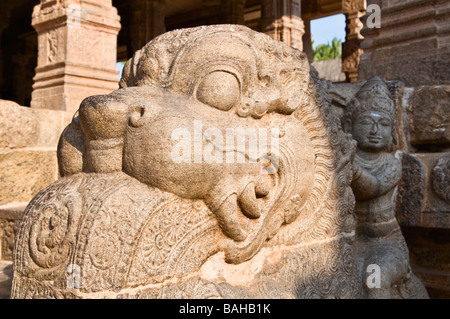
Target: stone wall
330	70
412	44
28	141
423	205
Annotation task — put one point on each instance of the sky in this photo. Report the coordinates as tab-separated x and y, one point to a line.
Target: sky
119	67
323	31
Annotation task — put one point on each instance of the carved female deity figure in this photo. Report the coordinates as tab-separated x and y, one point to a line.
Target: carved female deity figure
381	249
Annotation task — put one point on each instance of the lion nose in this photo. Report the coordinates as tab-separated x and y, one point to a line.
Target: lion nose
103	116
103	119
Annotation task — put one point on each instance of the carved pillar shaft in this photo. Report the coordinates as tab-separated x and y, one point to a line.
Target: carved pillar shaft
233	11
147	22
4	22
282	21
307	41
351	48
77	44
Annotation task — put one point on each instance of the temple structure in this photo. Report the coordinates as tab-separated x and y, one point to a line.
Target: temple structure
74	44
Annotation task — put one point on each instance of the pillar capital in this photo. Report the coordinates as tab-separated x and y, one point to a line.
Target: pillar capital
349	6
282	21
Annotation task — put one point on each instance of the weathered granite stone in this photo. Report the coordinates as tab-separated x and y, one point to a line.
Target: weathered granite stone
371	119
10	218
154	203
330	70
441	178
342	93
423	190
24	127
25	173
411	191
12	135
429	116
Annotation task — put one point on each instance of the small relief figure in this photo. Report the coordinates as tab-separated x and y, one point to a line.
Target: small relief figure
383	256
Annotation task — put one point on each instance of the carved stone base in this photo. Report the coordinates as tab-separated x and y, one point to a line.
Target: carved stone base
109	236
97	236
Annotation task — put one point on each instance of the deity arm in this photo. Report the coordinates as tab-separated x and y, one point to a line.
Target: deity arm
367	185
391	175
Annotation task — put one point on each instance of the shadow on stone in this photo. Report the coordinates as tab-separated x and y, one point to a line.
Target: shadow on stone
6	275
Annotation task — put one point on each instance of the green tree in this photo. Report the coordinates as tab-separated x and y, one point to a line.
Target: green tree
328	51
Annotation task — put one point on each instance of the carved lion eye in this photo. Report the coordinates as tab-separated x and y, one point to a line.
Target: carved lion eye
219	89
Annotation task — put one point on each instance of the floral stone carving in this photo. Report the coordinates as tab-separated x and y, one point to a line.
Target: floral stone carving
380	246
165	195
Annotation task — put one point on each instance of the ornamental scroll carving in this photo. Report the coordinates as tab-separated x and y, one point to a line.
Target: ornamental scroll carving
353	5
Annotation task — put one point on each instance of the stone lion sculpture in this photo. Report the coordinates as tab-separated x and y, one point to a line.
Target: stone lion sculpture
217	170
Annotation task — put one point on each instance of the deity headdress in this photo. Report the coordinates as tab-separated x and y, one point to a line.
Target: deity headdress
374	95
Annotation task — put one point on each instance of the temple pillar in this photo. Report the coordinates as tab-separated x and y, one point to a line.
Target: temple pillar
77	44
282	21
4	22
147	22
307	41
233	11
351	48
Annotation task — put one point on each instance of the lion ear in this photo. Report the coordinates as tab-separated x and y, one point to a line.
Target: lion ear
129	72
